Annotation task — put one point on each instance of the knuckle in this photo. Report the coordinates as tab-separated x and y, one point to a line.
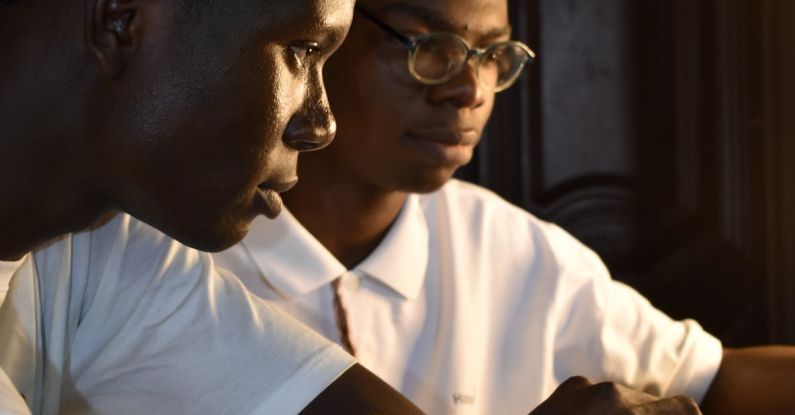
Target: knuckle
576	381
607	390
687	404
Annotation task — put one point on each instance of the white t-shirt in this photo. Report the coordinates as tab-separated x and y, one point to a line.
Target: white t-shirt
472	305
11	402
124	320
7	269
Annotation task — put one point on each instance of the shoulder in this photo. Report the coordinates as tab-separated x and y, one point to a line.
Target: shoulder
477	205
472	198
121	247
138	247
159	312
501	228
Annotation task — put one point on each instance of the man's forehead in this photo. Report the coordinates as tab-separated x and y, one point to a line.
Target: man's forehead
308	18
320	11
481	17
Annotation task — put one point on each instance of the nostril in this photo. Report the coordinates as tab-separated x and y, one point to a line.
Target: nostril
308	145
311	129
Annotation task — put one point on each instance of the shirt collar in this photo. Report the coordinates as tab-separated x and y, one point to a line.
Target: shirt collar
401	259
291	260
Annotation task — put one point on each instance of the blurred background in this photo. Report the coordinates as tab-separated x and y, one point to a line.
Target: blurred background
662	134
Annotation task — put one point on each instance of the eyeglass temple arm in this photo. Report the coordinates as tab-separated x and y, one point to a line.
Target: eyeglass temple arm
405	40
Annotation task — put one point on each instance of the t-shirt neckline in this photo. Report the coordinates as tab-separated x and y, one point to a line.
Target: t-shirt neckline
7	270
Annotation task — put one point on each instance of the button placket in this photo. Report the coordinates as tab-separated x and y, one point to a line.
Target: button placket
344	287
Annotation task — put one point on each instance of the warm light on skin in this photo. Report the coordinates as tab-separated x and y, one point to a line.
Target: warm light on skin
395	135
192	140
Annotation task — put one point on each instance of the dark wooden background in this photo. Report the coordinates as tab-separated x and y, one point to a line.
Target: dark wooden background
662	134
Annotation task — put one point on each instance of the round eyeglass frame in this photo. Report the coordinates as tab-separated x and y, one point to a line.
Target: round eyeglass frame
479	53
412	44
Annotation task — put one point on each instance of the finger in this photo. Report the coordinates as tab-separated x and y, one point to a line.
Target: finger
675	405
567	396
576	382
609	392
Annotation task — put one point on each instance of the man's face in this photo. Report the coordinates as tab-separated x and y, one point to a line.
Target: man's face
207	121
394	132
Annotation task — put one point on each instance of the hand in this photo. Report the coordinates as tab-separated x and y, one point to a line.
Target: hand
579	396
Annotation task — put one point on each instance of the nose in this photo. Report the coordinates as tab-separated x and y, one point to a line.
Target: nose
462	91
314	126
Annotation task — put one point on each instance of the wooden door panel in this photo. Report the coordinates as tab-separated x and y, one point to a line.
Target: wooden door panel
660	133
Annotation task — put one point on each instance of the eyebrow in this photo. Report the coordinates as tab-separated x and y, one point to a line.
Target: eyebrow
437	19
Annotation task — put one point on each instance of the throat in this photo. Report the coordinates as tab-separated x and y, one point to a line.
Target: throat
350	227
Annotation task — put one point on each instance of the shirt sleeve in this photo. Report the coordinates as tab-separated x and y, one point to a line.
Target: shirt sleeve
11	402
607	331
163	332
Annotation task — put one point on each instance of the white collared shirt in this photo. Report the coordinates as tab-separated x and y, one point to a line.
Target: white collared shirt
472	305
124	320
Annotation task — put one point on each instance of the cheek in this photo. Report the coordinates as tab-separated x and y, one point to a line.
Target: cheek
483	113
249	120
369	103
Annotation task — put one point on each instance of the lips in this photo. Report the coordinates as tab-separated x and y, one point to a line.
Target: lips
279	186
447	135
268	200
443	145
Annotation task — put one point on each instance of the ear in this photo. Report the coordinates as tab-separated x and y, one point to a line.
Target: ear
112	33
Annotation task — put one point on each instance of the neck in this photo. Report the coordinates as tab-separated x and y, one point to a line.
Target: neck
24	230
349	217
43	196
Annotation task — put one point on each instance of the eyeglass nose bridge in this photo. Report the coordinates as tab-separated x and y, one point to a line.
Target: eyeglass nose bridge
478	55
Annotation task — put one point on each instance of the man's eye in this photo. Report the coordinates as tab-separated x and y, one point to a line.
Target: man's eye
304	51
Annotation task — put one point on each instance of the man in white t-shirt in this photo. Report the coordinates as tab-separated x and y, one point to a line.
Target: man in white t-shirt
463	302
189	116
11	402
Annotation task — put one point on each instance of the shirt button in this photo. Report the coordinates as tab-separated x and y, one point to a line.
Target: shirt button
350	281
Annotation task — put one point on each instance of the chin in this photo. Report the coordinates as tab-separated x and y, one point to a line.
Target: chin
214	243
426	182
209	229
215	238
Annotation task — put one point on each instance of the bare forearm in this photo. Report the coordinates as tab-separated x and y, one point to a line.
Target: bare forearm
759	380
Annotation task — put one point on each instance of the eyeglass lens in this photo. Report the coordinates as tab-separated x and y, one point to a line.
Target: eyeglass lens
438	57
435	57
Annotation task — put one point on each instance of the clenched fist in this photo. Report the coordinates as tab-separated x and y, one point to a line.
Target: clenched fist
579	396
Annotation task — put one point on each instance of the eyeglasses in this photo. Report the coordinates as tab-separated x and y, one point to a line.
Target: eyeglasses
435	58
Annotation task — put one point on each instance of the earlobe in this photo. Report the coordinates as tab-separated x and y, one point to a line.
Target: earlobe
111	33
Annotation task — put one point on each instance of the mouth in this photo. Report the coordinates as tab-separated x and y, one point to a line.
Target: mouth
268	200
277	186
447	135
451	147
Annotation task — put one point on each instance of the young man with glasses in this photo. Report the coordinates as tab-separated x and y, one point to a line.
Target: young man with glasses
463	302
189	116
